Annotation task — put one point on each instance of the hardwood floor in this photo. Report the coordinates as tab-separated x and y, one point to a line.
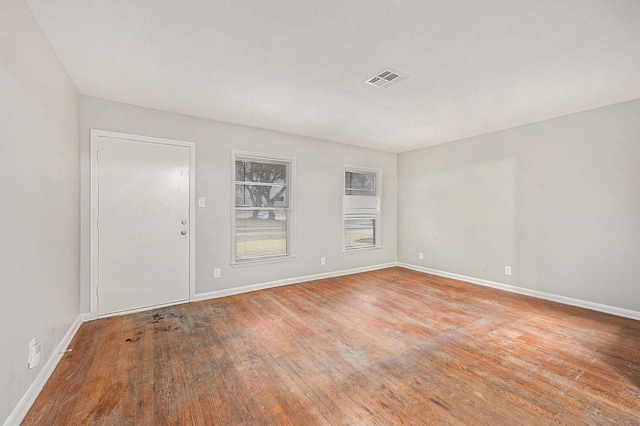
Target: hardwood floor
386	347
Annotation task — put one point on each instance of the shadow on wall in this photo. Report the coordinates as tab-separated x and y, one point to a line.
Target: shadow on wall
556	200
463	213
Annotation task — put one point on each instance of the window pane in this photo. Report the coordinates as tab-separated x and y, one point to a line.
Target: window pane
360	183
261	221
240	172
359	233
261	196
249	246
254	171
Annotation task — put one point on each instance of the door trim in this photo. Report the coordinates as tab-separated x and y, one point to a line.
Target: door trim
93	246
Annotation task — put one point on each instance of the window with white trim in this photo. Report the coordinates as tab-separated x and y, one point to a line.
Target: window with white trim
361	207
262	193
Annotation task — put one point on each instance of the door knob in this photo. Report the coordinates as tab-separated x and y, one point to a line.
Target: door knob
183	232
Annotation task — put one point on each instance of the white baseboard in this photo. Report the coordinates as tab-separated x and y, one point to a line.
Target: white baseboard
288	281
627	313
22	407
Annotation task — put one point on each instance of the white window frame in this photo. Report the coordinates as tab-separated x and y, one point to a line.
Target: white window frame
367	205
259	156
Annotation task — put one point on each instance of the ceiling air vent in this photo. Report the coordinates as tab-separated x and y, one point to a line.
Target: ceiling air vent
385	78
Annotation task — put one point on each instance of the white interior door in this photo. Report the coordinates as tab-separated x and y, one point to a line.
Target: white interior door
143	224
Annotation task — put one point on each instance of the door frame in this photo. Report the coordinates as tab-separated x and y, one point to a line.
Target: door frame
94	246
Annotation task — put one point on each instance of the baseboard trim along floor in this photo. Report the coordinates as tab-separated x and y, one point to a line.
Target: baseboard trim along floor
29	397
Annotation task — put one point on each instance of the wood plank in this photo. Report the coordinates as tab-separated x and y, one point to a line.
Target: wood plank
386	347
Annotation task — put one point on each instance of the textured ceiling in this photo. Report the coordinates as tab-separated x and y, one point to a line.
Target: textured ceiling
299	66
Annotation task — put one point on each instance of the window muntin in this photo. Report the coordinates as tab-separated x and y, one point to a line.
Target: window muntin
361	207
262	207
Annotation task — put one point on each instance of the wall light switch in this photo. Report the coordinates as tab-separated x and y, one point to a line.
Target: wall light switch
201	202
34	353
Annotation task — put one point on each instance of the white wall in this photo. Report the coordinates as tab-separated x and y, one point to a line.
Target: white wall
39	191
558	200
318	193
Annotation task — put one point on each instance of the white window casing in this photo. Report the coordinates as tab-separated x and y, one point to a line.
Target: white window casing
262	201
362	222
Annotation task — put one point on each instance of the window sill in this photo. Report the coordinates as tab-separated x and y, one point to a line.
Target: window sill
258	262
360	250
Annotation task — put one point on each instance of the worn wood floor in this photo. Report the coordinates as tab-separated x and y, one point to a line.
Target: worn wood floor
385	347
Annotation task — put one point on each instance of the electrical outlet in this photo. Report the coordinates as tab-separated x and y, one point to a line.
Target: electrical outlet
216	273
322	261
507	270
485	267
201	202
421	256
